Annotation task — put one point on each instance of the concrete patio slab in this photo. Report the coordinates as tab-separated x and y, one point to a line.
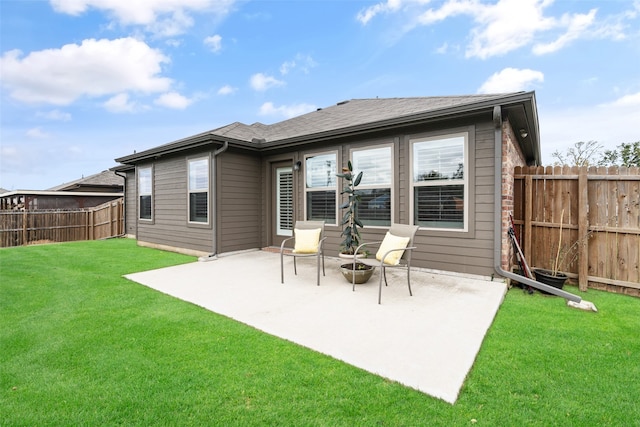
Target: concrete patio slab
427	342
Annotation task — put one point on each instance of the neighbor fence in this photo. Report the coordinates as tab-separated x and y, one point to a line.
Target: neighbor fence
591	214
26	227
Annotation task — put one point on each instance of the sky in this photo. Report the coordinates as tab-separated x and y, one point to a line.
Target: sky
83	82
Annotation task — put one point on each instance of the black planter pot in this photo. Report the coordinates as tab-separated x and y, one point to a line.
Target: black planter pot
547	277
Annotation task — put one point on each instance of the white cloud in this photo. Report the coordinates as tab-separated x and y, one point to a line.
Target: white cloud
302	62
173	100
505	25
227	90
607	123
173	42
94	68
36	133
511	80
161	17
120	103
577	25
56	115
262	82
214	43
287	66
287	111
632	100
367	14
443	48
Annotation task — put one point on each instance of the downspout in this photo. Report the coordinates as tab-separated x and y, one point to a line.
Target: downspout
497	226
214	206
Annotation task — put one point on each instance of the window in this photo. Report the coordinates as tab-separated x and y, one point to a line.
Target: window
320	187
145	192
440	182
284	201
376	184
199	190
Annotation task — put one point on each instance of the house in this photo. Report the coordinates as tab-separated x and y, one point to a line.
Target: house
82	193
103	182
444	163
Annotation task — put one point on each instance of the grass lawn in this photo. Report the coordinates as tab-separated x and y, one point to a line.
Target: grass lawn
80	345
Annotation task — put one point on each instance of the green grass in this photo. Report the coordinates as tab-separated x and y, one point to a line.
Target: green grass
80	345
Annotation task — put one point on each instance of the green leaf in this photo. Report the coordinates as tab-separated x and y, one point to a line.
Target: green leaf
358	179
344	205
350	166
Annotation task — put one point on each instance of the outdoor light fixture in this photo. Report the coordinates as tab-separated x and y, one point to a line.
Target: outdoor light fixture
297	165
523	133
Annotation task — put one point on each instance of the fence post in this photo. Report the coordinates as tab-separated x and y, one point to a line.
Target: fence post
111	220
583	229
24	226
91	227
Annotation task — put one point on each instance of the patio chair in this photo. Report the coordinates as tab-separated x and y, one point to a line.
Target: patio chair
308	238
394	252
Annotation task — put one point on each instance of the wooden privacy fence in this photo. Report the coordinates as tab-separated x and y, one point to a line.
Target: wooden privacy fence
599	235
19	228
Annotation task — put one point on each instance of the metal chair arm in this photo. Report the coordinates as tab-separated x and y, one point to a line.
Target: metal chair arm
283	242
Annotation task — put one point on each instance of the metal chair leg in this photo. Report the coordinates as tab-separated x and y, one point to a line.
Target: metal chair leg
383	273
295	269
281	267
409	279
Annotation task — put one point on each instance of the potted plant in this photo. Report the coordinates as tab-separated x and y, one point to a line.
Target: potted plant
351	225
564	257
362	272
350	222
553	277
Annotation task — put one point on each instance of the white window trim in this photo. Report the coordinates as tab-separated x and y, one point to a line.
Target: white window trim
391	184
413	185
280	171
208	190
334	188
140	193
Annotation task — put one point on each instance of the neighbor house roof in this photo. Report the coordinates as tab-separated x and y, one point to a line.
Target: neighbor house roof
358	116
105	179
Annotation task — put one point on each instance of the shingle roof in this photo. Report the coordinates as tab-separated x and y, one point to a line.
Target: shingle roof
103	179
355	112
347	117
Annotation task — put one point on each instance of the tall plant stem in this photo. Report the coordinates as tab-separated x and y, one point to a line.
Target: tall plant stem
555	266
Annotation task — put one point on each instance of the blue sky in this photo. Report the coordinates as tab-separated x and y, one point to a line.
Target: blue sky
86	81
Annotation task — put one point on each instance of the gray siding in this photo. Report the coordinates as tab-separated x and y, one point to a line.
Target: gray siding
239	202
471	252
170	226
130	205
